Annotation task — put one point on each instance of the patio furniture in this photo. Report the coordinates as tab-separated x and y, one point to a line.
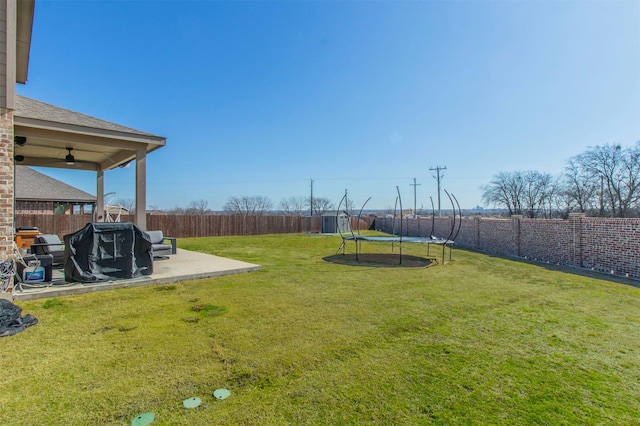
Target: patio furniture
158	246
49	244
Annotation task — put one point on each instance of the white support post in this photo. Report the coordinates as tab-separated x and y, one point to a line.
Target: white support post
99	213
141	187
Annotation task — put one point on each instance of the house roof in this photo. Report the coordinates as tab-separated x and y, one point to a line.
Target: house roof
31	108
96	144
31	185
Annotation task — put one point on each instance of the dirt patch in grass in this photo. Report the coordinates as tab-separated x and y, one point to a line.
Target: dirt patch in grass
209	310
386	260
165	288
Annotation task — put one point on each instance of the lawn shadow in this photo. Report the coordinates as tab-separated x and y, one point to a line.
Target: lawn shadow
568	269
585	272
381	260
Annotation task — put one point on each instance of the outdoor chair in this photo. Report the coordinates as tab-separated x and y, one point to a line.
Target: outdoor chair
49	244
158	245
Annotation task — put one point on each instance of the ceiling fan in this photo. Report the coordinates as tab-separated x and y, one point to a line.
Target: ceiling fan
69	159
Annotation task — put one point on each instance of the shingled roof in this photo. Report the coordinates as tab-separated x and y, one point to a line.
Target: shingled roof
32	185
30	108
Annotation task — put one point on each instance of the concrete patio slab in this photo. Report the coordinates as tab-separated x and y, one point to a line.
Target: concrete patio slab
183	266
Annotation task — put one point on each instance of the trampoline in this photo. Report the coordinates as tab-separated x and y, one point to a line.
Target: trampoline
394	239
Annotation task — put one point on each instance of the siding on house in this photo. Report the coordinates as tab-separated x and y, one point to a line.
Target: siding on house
34	207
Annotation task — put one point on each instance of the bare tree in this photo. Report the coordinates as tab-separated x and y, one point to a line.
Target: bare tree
198	207
126	203
579	190
320	205
506	189
530	193
604	178
552	197
617	171
177	210
537	188
294	205
248	205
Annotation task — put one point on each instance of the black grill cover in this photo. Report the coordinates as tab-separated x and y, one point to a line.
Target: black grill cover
106	251
10	320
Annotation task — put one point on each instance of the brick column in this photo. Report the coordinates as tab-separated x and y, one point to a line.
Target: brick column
515	227
575	244
6	184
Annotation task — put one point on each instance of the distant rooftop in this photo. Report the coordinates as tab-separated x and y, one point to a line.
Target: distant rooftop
32	185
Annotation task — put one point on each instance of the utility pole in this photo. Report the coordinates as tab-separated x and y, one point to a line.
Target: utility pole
414	184
346	202
438	178
311	199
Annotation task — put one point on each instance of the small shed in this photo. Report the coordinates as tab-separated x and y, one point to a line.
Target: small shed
334	222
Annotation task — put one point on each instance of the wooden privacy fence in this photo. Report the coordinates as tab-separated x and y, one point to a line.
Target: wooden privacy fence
53	223
185	226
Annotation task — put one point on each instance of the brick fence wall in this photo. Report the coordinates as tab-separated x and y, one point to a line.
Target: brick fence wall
600	244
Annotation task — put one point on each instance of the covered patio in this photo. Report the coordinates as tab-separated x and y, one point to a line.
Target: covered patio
183	266
39	134
50	136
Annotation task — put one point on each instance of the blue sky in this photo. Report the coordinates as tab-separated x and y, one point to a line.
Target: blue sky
260	97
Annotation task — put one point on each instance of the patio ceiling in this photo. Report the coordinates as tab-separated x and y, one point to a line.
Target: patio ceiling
24	24
96	144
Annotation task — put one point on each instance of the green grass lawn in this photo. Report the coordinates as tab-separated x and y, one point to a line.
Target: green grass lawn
481	340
